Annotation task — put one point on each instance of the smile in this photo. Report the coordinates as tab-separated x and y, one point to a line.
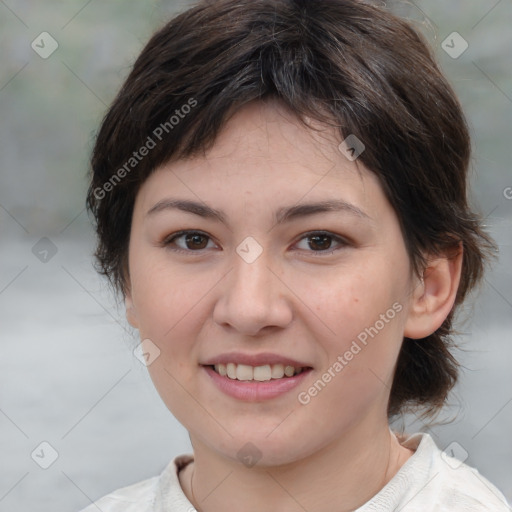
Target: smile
244	372
255	383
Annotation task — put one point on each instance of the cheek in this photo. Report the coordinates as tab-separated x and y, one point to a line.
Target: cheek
165	298
348	302
365	317
359	358
169	313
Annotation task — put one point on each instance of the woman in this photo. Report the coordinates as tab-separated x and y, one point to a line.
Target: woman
280	197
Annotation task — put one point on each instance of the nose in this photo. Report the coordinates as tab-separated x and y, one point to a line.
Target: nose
253	297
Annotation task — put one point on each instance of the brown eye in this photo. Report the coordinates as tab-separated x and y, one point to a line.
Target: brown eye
322	243
196	241
187	241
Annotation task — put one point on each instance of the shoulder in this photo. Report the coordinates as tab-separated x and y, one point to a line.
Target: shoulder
147	495
133	498
432	480
463	488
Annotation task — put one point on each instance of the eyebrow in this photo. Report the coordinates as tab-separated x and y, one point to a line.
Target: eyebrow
282	215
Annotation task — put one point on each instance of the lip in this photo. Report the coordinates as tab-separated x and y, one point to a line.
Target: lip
254	360
255	391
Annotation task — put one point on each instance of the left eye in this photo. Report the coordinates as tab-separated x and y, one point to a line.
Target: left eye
322	241
195	241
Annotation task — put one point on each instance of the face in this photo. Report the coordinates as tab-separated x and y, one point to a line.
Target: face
232	270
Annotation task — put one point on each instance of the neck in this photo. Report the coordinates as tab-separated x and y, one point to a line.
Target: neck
341	476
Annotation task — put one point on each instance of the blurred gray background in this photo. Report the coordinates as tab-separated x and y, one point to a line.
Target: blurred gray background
67	373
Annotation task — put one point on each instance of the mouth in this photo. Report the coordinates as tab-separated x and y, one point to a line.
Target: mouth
245	372
257	382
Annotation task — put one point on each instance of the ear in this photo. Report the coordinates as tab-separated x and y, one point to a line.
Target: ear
434	296
131	312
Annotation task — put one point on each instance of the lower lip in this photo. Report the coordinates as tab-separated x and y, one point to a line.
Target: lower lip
255	391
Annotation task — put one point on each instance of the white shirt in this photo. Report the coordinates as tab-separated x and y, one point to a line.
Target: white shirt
429	481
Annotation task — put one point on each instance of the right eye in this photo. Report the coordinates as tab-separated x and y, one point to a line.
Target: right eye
187	241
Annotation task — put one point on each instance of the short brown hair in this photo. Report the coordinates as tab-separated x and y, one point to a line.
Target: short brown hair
342	62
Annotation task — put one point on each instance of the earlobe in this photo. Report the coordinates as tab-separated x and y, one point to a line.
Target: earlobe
131	313
434	296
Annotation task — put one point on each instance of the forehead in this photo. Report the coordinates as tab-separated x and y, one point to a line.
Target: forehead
265	152
268	130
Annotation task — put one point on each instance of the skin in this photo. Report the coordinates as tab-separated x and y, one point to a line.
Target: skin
298	299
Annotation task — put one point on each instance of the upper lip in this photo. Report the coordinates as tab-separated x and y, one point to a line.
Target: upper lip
254	360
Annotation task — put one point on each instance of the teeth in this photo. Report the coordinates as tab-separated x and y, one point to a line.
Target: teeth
258	373
262	373
231	370
289	371
277	371
244	372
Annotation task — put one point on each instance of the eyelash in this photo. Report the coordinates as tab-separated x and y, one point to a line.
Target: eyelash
171	238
